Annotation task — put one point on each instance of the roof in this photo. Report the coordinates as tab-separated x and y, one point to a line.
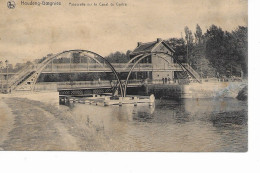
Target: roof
145	47
148	47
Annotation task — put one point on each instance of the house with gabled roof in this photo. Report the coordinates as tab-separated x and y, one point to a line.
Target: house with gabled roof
156	46
159	62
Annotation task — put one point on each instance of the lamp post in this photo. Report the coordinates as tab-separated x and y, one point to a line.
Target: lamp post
2	76
6	63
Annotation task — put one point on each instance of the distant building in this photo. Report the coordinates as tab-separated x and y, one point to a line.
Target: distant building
159	62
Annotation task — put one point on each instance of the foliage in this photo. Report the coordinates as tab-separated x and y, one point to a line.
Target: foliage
118	57
217	52
178	45
214	53
189	42
67	77
198	34
200	63
226	51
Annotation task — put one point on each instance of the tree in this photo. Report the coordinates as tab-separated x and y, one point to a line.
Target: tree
75	57
199	61
118	57
227	51
128	54
178	45
240	41
188	36
189	42
215	48
198	34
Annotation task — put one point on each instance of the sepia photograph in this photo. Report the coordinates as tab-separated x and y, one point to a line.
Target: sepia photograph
124	75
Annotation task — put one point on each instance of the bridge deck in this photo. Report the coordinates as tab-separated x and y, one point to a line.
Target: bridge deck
120	67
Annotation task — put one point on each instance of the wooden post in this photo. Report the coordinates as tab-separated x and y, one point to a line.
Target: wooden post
120	101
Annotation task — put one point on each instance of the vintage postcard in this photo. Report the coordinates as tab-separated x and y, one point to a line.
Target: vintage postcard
124	75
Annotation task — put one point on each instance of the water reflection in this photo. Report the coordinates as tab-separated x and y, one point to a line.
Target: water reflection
186	125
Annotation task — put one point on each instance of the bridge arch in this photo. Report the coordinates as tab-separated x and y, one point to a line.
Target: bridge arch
144	55
40	67
131	60
140	55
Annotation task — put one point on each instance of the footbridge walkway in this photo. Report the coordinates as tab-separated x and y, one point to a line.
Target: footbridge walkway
26	79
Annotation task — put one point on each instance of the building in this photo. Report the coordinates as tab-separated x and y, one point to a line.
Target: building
163	66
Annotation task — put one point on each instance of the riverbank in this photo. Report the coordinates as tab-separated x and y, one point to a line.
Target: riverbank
36	121
213	89
6	122
30	124
196	90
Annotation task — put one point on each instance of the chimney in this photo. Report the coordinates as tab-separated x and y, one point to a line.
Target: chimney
139	44
159	40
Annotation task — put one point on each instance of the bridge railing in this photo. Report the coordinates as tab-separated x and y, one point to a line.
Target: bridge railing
85	84
192	71
66	67
21	75
91	67
96	84
108	84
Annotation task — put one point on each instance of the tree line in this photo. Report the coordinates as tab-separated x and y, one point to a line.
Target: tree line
214	53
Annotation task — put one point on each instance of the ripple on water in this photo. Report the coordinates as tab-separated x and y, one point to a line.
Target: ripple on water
188	125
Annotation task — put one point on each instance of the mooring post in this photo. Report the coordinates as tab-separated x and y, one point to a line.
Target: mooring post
135	101
106	101
120	101
151	100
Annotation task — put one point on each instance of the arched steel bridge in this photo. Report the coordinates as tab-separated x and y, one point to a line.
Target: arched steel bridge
26	79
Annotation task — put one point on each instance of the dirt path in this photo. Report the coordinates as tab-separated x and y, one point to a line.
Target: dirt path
34	127
6	121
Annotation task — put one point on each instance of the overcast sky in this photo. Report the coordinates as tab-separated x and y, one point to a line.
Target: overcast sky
30	32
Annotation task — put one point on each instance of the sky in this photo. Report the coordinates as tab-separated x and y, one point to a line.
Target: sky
31	32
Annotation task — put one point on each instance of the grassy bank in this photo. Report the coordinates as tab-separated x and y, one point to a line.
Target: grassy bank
43	125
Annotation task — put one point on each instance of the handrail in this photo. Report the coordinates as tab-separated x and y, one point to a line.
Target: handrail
20	75
191	70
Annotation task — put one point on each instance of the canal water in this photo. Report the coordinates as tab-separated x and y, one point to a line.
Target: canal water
185	125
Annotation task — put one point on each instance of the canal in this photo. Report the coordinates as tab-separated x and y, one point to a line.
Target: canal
186	125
